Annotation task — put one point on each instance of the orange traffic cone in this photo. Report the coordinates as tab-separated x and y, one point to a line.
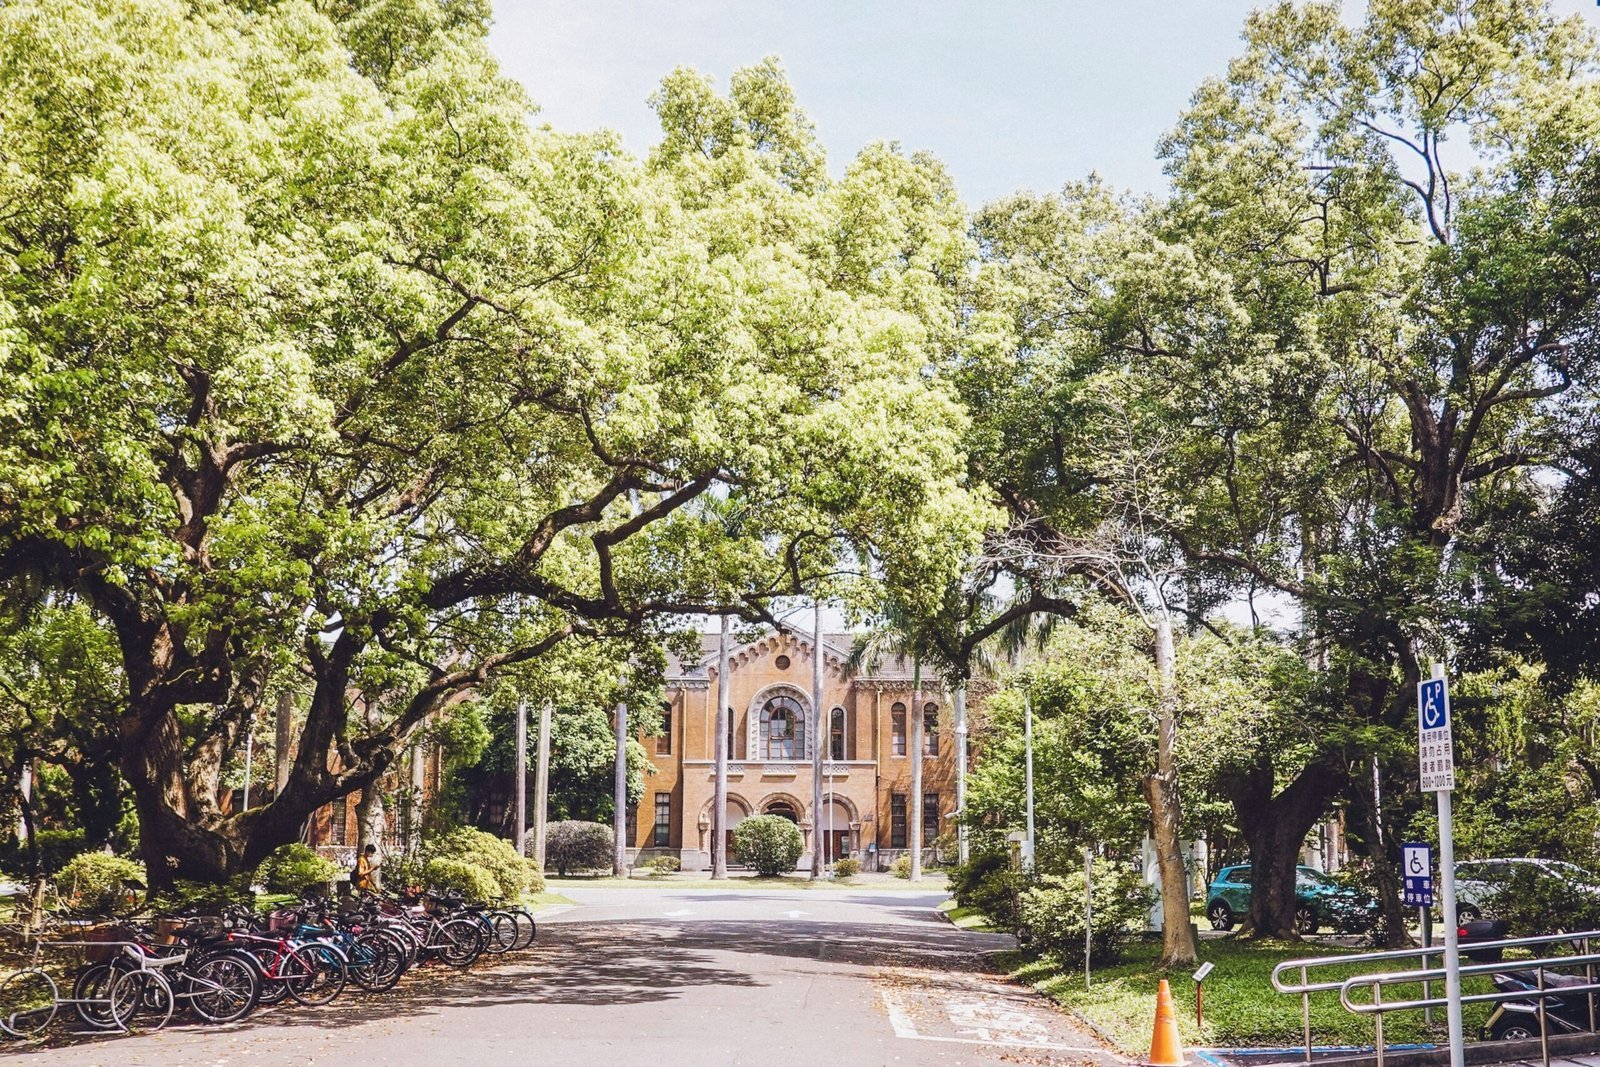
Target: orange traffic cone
1166	1049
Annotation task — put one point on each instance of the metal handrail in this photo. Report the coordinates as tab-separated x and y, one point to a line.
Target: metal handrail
1405	953
1378	1007
1306	987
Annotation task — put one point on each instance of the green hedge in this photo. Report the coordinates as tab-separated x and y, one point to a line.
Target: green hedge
294	868
476	883
99	882
769	843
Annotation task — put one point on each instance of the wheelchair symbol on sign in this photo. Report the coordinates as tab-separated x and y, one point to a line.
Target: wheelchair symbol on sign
1433	713
1418	862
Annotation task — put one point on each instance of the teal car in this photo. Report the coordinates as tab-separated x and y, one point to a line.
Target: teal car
1319	900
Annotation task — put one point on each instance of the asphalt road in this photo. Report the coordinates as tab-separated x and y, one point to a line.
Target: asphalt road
666	977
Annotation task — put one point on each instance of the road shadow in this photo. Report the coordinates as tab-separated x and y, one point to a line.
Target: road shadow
624	962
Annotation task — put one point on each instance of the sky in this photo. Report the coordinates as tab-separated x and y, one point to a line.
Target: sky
1011	94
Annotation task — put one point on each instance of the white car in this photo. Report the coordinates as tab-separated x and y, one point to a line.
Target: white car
1480	882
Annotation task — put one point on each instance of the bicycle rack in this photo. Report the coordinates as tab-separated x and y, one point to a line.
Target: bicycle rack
1426	975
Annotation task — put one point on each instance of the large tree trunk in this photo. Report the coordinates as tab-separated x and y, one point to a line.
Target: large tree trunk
719	795
819	738
619	815
1161	790
1275	827
918	742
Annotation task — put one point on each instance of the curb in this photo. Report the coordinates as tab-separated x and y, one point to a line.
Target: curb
1477	1053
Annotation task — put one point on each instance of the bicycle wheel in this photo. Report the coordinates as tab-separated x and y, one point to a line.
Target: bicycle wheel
268	962
28	1002
91	996
140	1000
526	929
503	935
459	942
222	989
374	962
315	974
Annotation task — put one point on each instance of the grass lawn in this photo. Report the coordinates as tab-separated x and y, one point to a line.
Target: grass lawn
547	899
1241	1007
968	918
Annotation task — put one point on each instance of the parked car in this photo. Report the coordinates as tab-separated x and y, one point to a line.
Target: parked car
1482	885
1319	900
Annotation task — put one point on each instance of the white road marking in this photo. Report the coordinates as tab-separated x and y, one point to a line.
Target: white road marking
796	914
1007	1026
680	913
554	909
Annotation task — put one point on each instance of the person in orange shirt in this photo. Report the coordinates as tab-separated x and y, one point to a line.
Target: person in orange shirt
365	877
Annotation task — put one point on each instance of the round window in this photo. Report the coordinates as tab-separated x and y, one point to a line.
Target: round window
782	662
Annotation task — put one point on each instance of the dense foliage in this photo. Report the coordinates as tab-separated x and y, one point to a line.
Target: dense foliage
574	845
295	868
346	409
768	844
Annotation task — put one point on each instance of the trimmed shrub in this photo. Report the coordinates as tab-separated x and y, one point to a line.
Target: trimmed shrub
98	882
770	844
989	884
403	872
57	848
574	845
472	881
294	868
1050	913
665	864
848	867
901	867
493	854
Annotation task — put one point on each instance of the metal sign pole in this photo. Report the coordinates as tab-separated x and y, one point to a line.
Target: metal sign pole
1438	774
1027	734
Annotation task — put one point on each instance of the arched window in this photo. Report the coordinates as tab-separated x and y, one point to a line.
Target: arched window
897	729
930	729
836	734
783	729
783	810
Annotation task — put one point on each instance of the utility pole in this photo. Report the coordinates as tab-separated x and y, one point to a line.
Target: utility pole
541	786
619	857
719	799
816	741
960	700
521	824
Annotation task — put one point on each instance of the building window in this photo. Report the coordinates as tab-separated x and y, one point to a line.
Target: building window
836	734
930	817
782	663
783	730
733	753
664	738
663	835
897	729
897	820
338	816
632	825
930	729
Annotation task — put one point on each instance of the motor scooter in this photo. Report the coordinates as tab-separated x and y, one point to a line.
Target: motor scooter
1518	1020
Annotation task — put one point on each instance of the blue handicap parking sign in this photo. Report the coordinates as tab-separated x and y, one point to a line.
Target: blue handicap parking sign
1417	875
1432	705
